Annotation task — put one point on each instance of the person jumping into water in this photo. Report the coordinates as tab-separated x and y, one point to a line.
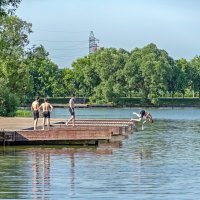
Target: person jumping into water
143	114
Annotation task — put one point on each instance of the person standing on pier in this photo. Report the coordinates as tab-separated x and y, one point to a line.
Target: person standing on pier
35	107
71	110
47	108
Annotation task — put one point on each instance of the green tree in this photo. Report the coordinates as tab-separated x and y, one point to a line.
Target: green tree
155	66
195	74
8	100
85	76
148	71
108	64
172	80
132	73
8	6
184	76
13	40
65	83
43	72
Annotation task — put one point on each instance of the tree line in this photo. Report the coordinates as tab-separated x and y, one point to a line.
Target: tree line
104	76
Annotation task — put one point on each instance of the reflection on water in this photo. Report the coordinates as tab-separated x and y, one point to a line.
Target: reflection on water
44	158
161	162
39	173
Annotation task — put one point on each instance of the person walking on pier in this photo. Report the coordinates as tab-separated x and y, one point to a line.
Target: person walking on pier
35	107
71	110
46	108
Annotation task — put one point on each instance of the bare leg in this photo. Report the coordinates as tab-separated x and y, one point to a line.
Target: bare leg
48	122
35	124
43	122
73	120
69	120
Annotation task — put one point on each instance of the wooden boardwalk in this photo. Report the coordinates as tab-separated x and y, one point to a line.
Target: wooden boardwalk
90	132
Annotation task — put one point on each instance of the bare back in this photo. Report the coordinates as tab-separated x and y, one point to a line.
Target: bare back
35	105
46	107
71	103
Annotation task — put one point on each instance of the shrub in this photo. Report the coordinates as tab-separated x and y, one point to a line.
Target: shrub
8	102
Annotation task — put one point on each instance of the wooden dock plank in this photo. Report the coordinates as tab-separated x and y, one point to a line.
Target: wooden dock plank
61	134
93	130
115	130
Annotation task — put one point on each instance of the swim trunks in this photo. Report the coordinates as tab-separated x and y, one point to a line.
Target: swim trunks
46	114
36	114
71	110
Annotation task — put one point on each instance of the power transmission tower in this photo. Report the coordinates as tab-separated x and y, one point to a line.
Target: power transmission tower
93	43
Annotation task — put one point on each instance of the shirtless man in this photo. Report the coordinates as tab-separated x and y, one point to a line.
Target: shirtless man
35	108
46	108
71	110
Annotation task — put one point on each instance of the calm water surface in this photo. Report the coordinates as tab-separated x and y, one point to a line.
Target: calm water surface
161	162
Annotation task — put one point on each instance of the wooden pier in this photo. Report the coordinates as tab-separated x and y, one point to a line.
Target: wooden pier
85	132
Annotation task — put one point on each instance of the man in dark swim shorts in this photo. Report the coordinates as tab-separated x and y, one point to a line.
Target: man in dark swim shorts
46	114
35	114
47	108
72	111
35	108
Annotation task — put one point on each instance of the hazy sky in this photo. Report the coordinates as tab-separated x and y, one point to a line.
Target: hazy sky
63	26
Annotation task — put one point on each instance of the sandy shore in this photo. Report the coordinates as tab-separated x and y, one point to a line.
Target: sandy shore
17	123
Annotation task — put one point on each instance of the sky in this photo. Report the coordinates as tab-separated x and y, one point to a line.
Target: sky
63	26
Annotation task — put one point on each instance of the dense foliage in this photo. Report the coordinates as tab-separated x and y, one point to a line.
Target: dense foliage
102	77
8	6
108	74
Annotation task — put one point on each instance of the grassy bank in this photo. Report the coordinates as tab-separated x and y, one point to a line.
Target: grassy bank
24	113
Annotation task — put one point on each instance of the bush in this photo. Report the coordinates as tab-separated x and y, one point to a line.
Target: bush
8	103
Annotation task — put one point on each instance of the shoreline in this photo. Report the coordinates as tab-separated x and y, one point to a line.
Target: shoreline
114	106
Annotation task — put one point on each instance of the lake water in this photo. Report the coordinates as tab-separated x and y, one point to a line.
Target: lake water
160	162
